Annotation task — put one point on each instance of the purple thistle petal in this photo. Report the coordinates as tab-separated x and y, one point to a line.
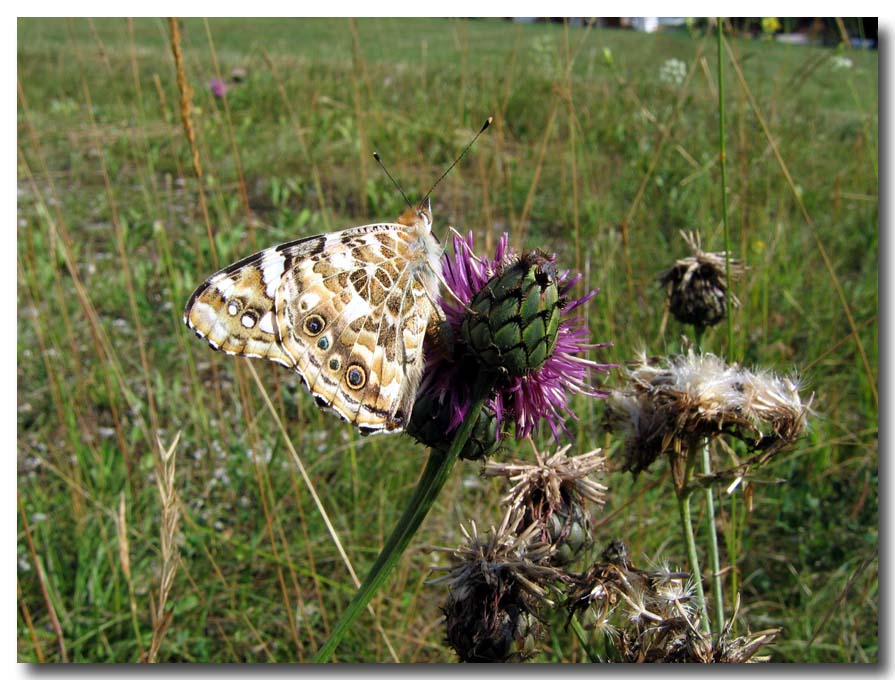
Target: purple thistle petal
218	87
544	394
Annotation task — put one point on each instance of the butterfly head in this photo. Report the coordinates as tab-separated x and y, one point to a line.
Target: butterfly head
418	217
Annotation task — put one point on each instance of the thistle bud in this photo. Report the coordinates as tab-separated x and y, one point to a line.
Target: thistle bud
569	530
430	422
512	323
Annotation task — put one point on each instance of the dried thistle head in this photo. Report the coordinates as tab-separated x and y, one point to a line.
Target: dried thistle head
697	285
644	596
497	584
648	614
742	649
551	493
671	406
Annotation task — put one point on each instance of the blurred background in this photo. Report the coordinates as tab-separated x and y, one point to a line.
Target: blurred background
604	146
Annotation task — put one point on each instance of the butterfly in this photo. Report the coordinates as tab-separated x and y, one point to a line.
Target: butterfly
348	311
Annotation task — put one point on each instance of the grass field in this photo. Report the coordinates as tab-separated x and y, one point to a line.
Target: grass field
592	155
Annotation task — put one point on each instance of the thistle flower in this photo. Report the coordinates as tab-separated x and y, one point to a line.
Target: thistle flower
511	315
697	285
669	407
551	494
497	584
217	87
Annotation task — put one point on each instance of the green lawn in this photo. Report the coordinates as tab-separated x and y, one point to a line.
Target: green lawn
592	156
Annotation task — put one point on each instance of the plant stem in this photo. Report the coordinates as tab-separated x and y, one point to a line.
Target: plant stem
683	506
706	458
722	158
581	634
717	592
434	476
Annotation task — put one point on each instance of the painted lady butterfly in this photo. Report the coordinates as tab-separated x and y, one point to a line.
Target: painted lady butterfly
347	311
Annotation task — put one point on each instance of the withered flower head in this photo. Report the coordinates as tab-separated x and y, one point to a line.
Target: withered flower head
645	597
697	285
497	583
649	615
671	406
551	493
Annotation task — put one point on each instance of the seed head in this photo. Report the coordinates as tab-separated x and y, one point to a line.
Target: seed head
551	494
497	584
670	406
697	285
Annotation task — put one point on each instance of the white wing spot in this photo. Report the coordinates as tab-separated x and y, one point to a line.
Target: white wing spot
308	301
233	309
272	269
224	285
266	324
358	307
248	320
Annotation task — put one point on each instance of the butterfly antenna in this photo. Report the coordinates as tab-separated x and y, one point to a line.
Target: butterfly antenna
444	174
394	181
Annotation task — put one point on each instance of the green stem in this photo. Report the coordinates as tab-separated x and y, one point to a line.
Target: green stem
683	506
434	476
714	558
722	157
581	634
717	592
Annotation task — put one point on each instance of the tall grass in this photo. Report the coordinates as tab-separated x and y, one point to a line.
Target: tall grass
591	155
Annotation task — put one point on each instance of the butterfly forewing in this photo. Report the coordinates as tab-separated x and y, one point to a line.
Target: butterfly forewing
234	309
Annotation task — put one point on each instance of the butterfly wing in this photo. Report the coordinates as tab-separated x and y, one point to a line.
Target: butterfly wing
354	317
234	309
347	311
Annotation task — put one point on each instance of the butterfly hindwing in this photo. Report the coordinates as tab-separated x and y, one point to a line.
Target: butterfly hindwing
354	326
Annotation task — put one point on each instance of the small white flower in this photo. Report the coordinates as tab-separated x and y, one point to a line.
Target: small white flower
841	63
673	72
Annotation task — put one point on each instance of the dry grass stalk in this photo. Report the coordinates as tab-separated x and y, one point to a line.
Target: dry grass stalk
186	116
170	505
42	581
125	560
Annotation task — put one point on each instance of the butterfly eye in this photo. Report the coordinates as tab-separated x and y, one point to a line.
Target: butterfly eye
356	376
314	324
